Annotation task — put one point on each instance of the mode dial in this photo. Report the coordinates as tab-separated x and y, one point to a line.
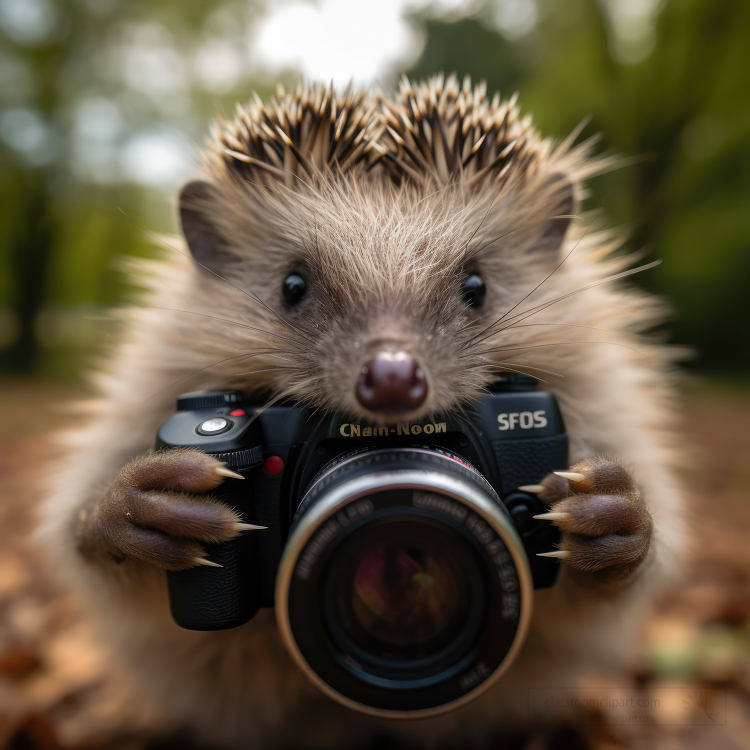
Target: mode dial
208	399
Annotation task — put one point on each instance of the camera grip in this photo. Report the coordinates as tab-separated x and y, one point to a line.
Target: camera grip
211	598
528	461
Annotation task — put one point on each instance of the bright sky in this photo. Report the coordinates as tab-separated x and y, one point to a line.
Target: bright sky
343	40
362	41
314	38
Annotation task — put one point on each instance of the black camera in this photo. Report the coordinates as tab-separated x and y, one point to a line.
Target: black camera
401	559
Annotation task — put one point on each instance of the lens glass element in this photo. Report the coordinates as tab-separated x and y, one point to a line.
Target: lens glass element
401	589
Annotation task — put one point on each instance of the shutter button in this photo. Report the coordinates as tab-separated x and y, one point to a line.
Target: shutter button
214	426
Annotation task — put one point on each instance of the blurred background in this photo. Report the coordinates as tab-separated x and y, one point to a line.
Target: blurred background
102	105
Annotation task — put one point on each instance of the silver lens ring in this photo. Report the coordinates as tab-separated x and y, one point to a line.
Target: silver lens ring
351	499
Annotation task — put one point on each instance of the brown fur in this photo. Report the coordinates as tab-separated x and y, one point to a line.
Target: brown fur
388	204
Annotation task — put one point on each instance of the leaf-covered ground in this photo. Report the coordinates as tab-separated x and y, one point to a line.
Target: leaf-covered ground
56	691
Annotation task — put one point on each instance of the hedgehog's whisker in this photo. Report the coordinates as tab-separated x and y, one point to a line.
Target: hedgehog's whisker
267	369
523	315
248	355
543	281
270	403
565	325
556	343
529	367
298	344
521	372
490	364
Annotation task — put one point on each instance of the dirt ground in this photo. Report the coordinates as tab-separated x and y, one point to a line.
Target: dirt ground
694	675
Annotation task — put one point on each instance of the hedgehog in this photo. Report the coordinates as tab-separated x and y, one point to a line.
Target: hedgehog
387	258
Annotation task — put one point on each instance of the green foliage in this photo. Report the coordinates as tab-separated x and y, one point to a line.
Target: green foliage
469	45
683	109
126	69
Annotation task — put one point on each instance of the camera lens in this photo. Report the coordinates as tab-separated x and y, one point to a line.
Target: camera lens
403	589
399	590
400	598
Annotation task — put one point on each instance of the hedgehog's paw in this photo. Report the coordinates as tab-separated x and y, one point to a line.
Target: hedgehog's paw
154	512
606	525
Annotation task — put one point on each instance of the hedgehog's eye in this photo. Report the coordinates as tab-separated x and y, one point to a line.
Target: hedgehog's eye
294	289
474	291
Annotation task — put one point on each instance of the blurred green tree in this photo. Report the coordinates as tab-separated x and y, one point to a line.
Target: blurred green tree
670	86
92	92
469	45
98	98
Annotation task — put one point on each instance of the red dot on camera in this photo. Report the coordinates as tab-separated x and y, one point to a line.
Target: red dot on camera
274	465
237	413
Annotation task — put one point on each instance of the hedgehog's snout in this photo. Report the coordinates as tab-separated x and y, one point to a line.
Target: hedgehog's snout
391	383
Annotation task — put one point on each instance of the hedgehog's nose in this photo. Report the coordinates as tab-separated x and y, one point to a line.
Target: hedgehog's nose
392	382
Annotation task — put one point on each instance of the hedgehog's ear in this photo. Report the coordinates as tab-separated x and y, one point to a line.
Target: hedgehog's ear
560	203
198	205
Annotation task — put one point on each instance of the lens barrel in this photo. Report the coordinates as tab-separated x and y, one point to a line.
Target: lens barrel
403	590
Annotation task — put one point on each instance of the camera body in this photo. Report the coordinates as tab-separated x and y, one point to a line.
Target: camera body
512	436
